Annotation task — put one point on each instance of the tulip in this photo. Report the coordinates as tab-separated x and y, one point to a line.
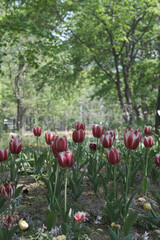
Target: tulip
148	142
23	224
78	136
113	224
59	144
147	130
16	144
112	133
132	139
93	146
8	220
113	156
3	154
157	160
49	137
107	141
80	216
80	126
7	190
65	159
37	131
97	131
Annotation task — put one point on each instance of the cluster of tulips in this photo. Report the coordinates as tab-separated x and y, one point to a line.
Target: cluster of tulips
65	157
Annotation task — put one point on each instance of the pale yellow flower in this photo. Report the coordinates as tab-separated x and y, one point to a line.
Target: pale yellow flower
23	224
61	237
147	206
113	224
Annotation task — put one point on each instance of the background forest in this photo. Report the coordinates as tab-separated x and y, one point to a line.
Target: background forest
63	61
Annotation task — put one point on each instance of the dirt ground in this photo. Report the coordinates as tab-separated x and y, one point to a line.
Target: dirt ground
34	204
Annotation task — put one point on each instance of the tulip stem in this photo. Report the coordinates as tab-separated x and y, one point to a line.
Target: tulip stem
37	142
146	165
106	186
127	181
65	192
55	187
128	174
97	142
114	180
146	172
78	157
22	235
1	173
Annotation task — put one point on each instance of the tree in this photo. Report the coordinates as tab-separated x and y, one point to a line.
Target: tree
112	35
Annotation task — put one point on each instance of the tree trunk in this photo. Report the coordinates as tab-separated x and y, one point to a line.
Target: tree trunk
126	70
144	108
157	117
18	114
136	108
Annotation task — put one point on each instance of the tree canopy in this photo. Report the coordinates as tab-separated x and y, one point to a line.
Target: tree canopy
74	58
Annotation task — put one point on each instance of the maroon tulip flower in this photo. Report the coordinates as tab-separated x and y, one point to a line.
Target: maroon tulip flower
59	144
112	133
65	159
78	136
147	130
8	220
107	141
113	156
7	190
132	139
97	131
148	141
16	144
3	154
80	125
49	137
37	131
93	146
157	160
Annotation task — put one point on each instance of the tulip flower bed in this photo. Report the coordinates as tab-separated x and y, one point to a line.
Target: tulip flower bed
99	188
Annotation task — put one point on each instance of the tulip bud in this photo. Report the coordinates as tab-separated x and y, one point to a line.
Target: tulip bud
78	136
113	156
3	154
80	216
23	224
107	141
132	139
16	144
37	131
148	142
147	130
80	126
49	137
157	160
147	206
59	144
97	131
114	225
93	146
65	159
7	190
